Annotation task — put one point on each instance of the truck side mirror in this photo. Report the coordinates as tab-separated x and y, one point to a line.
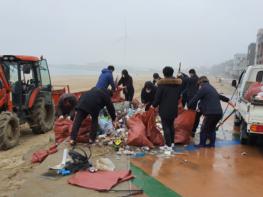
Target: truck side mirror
234	83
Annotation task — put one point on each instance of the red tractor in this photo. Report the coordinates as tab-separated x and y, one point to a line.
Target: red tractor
25	97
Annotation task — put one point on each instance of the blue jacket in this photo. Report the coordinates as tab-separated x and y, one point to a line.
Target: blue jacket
209	100
105	79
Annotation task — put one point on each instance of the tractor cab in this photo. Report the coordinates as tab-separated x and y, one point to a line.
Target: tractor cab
26	88
25	75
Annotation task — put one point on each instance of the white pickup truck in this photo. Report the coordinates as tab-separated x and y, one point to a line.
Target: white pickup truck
249	114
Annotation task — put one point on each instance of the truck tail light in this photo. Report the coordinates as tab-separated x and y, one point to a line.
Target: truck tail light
256	128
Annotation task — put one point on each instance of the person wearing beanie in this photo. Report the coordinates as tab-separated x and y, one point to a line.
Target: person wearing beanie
166	98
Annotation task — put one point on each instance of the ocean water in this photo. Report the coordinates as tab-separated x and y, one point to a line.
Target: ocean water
58	71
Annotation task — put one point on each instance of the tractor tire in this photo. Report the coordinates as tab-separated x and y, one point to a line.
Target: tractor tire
9	130
43	116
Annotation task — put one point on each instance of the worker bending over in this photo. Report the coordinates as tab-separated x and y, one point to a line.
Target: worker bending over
106	78
148	94
91	103
211	109
66	106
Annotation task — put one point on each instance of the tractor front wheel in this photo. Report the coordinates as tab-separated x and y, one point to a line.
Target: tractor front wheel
43	116
9	130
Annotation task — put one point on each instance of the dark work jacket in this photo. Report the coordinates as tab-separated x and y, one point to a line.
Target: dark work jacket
148	97
94	100
192	87
128	82
209	100
167	96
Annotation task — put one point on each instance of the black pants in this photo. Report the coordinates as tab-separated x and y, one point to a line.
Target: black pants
197	120
168	129
129	94
208	129
80	116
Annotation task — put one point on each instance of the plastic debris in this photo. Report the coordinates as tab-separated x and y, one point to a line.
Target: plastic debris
105	164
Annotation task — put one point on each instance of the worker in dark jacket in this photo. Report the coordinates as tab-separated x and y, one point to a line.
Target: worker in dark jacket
106	78
210	107
91	103
127	83
192	85
66	106
167	96
185	79
148	94
156	78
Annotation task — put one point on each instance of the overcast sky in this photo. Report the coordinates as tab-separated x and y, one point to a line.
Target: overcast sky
158	32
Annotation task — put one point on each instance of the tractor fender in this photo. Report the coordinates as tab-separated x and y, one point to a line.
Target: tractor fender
33	97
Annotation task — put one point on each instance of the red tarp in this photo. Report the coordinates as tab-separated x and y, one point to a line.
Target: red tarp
41	155
183	125
101	180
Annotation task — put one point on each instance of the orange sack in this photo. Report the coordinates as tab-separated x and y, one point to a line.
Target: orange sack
63	127
152	132
137	132
183	125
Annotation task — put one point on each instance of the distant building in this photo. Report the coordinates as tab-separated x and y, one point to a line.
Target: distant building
239	64
251	54
259	47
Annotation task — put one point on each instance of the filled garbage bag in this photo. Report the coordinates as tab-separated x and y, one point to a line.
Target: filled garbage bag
180	106
137	132
116	97
62	129
183	125
135	103
101	180
106	125
152	132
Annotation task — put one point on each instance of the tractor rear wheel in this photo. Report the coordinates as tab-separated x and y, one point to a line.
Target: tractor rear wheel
43	116
9	130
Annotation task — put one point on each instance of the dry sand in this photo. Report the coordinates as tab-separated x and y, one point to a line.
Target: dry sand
15	165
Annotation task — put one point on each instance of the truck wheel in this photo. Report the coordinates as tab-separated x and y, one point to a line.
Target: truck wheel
9	130
43	116
243	133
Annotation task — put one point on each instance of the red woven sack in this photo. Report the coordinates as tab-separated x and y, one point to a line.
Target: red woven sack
183	125
62	129
136	133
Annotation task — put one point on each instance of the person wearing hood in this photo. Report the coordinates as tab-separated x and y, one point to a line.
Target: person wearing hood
91	103
167	96
66	106
210	106
156	78
192	85
106	78
148	94
127	83
185	79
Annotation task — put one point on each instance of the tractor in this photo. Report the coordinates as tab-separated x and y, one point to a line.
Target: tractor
25	97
